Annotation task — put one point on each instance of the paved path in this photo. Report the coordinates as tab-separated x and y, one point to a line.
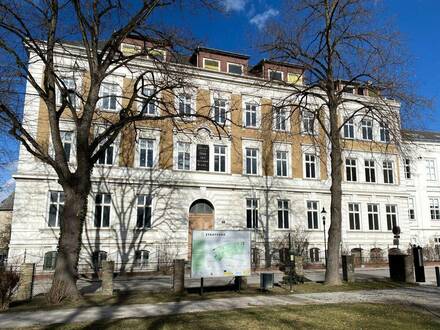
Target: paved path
427	297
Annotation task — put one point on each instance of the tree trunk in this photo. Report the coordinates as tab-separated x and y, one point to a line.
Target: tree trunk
69	245
334	233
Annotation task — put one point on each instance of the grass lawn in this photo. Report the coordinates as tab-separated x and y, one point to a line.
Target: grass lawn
337	316
143	297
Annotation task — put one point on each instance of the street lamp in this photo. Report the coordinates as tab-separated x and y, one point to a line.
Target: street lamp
323	213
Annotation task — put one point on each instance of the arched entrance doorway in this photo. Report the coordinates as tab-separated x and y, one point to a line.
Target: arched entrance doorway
201	217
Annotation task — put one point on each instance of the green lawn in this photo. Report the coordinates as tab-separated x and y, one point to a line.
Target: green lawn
338	316
143	297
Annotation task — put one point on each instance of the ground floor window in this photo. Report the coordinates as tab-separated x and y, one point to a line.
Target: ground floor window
252	213
314	255
50	259
141	258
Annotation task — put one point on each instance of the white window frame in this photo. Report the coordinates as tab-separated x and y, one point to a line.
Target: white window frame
149	146
349	124
278	119
390	213
148	134
411	209
283	206
354	210
375	215
58	203
141	102
370	169
179	144
210	59
312	211
434	208
269	71
384	132
431	169
144	206
281	147
367	128
220	156
257	116
407	168
252	144
299	80
349	167
103	204
253	158
310	117
386	177
118	92
253	207
187	96
315	162
77	82
241	65
143	263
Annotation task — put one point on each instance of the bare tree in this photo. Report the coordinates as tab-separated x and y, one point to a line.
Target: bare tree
36	33
343	46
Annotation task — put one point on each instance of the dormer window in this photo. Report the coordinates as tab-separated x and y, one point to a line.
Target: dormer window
349	89
235	68
294	78
275	75
212	65
157	54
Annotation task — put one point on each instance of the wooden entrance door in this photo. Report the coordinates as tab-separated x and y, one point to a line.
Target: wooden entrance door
201	217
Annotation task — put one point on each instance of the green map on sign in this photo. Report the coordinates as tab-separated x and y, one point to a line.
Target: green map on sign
198	258
228	250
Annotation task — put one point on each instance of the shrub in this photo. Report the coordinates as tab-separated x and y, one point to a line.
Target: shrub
8	285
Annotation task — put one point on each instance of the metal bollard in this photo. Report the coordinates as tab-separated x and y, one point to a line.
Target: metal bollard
437	275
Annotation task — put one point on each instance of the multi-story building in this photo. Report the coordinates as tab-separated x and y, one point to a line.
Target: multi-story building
267	171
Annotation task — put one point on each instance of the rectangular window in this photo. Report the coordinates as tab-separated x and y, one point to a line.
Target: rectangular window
373	216
185	105
367	129
280	118
354	216
143	211
388	175
146	156
56	206
141	258
148	103
312	214
183	156
283	214
157	54
294	78
391	213
370	171
251	161
66	140
220	159
251	115
384	132
430	170
70	89
109	96
308	122
275	75
310	166
434	207
350	169
281	161
102	210
235	68
212	65
107	157
252	213
407	168
411	209
349	129
220	111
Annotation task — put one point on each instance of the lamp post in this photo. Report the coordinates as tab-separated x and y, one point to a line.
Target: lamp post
323	213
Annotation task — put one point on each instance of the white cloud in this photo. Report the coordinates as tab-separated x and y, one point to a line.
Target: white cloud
260	20
234	5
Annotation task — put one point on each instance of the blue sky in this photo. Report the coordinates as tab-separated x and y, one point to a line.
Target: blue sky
418	21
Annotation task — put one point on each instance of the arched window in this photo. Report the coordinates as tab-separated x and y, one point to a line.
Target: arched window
50	259
141	258
314	255
201	206
376	254
97	258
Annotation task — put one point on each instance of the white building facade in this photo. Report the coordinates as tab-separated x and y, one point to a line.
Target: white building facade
141	215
